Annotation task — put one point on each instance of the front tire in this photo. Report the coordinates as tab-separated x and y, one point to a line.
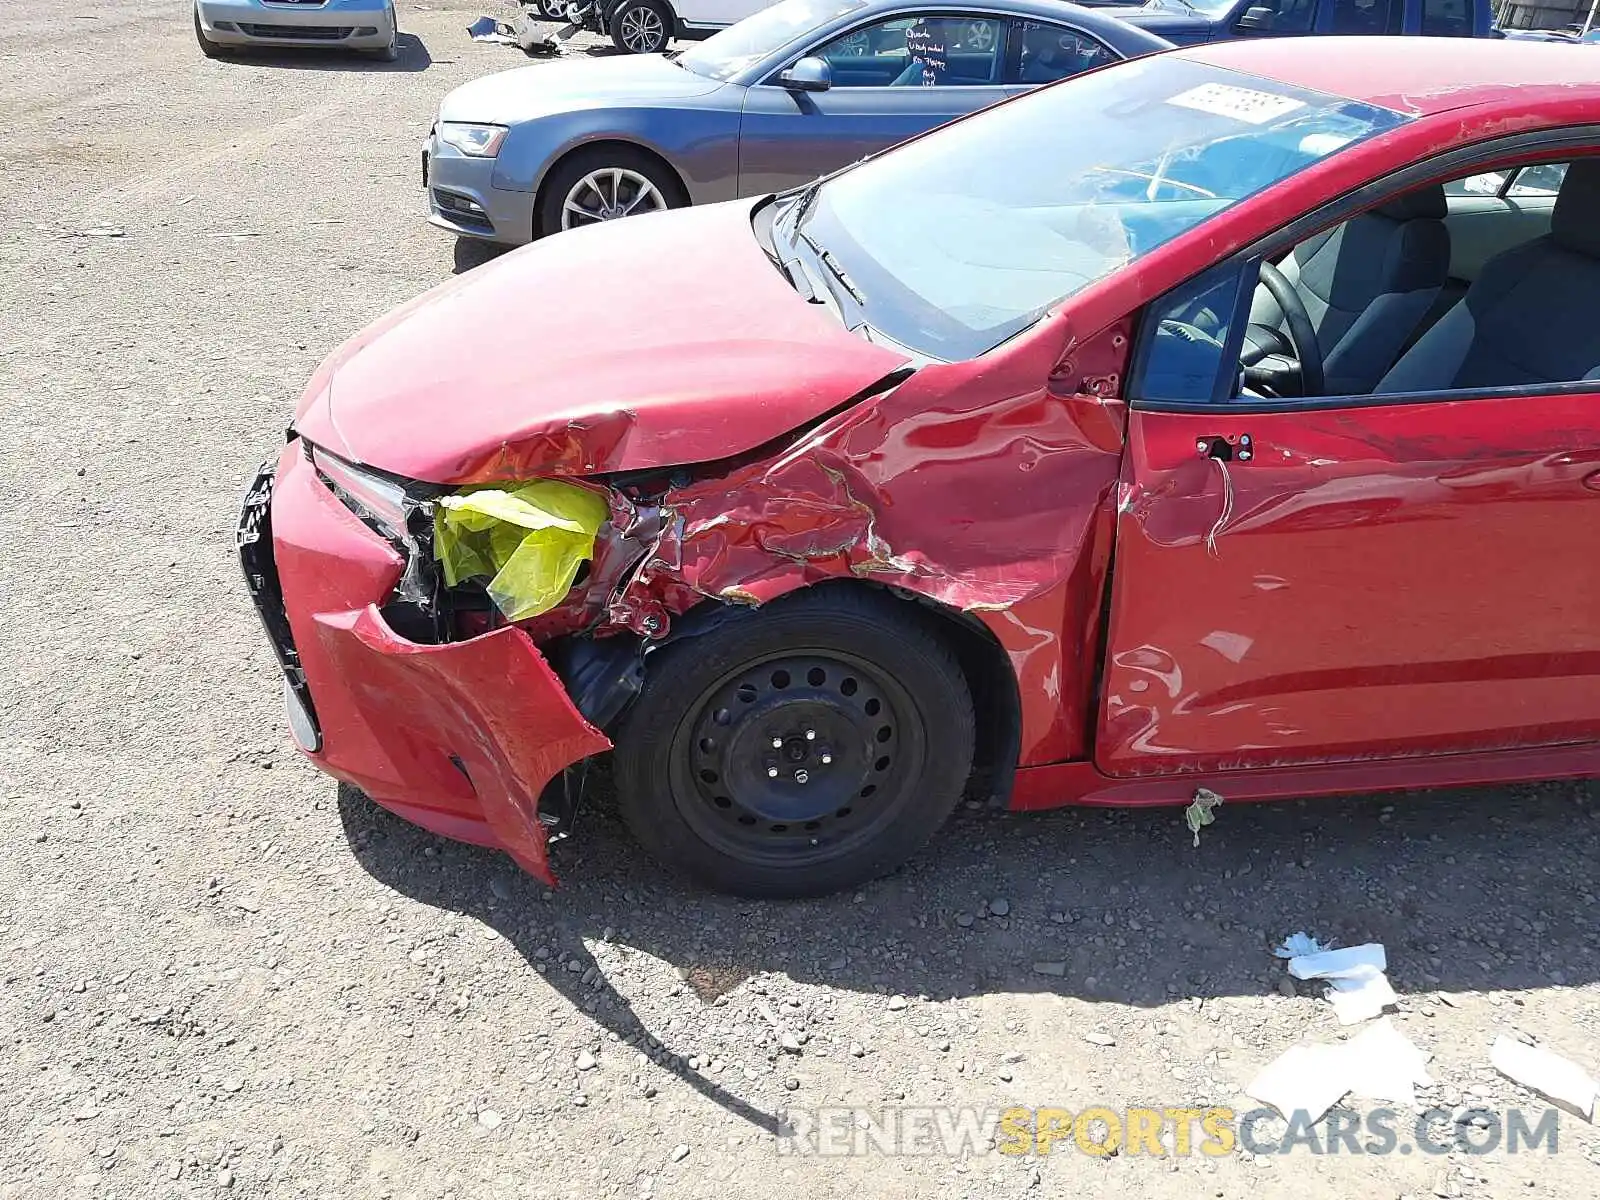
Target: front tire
604	184
641	26
391	52
798	750
207	47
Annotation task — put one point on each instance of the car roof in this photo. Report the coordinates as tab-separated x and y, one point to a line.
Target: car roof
1122	35
1090	21
1413	74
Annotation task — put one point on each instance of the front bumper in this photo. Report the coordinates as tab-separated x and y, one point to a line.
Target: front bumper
460	738
462	197
340	24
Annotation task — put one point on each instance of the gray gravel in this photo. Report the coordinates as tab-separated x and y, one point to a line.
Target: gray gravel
218	974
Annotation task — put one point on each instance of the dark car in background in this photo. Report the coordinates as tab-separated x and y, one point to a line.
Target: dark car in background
1188	22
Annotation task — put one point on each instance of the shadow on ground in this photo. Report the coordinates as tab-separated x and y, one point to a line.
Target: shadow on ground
1468	890
414	56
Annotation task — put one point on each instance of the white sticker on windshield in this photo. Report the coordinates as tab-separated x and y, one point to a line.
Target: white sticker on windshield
1242	104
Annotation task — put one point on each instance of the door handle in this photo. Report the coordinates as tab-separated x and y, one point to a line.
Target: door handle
1225	448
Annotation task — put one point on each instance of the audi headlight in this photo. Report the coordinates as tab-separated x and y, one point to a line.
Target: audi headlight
478	141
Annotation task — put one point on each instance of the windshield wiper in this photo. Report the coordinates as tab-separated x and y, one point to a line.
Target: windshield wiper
826	258
829	261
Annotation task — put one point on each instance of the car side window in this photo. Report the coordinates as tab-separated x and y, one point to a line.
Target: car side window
1543	180
1488	183
1048	52
1446	18
1369	16
1183	347
918	51
1279	16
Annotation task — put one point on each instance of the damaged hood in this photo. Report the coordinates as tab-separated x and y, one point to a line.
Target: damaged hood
655	341
524	93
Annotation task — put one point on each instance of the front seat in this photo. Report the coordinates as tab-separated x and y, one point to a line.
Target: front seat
1366	285
1050	54
1529	318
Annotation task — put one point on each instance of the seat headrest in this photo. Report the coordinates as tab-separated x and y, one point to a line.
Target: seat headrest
1425	203
1575	223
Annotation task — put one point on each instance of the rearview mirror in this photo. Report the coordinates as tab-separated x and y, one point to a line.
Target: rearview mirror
810	74
1258	19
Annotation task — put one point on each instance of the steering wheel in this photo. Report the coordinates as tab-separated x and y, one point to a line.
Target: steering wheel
1302	334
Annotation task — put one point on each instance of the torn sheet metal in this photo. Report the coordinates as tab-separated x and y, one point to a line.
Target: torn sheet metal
526	541
967	484
490	704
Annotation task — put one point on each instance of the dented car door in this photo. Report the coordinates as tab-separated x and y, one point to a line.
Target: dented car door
1355	581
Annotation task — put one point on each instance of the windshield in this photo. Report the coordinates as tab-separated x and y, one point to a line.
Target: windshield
952	243
739	47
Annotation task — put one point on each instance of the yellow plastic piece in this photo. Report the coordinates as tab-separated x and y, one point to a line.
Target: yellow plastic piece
528	540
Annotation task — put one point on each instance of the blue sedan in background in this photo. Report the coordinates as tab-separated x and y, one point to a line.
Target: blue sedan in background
791	93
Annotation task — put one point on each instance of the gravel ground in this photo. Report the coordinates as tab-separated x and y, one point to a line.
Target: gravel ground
222	975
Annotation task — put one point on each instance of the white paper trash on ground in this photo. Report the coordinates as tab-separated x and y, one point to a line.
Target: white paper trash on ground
1357	998
1555	1078
1306	1078
1335	964
1360	989
1296	945
1384	1064
1380	1063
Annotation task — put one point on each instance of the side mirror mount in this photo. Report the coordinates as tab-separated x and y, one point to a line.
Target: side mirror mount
809	74
1256	20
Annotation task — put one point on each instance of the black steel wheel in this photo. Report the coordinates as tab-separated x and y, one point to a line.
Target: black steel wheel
800	749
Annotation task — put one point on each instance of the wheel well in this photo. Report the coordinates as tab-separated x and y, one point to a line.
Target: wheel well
604	144
672	12
984	664
996	700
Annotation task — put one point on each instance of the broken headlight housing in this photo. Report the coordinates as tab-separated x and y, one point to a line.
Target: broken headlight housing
380	501
399	511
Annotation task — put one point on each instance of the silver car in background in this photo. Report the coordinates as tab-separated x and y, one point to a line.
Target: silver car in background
795	91
366	26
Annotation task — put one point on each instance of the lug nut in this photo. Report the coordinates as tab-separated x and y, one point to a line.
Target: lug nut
801	777
826	759
772	772
811	735
777	743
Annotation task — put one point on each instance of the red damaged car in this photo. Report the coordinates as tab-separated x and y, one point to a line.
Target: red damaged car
1224	419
